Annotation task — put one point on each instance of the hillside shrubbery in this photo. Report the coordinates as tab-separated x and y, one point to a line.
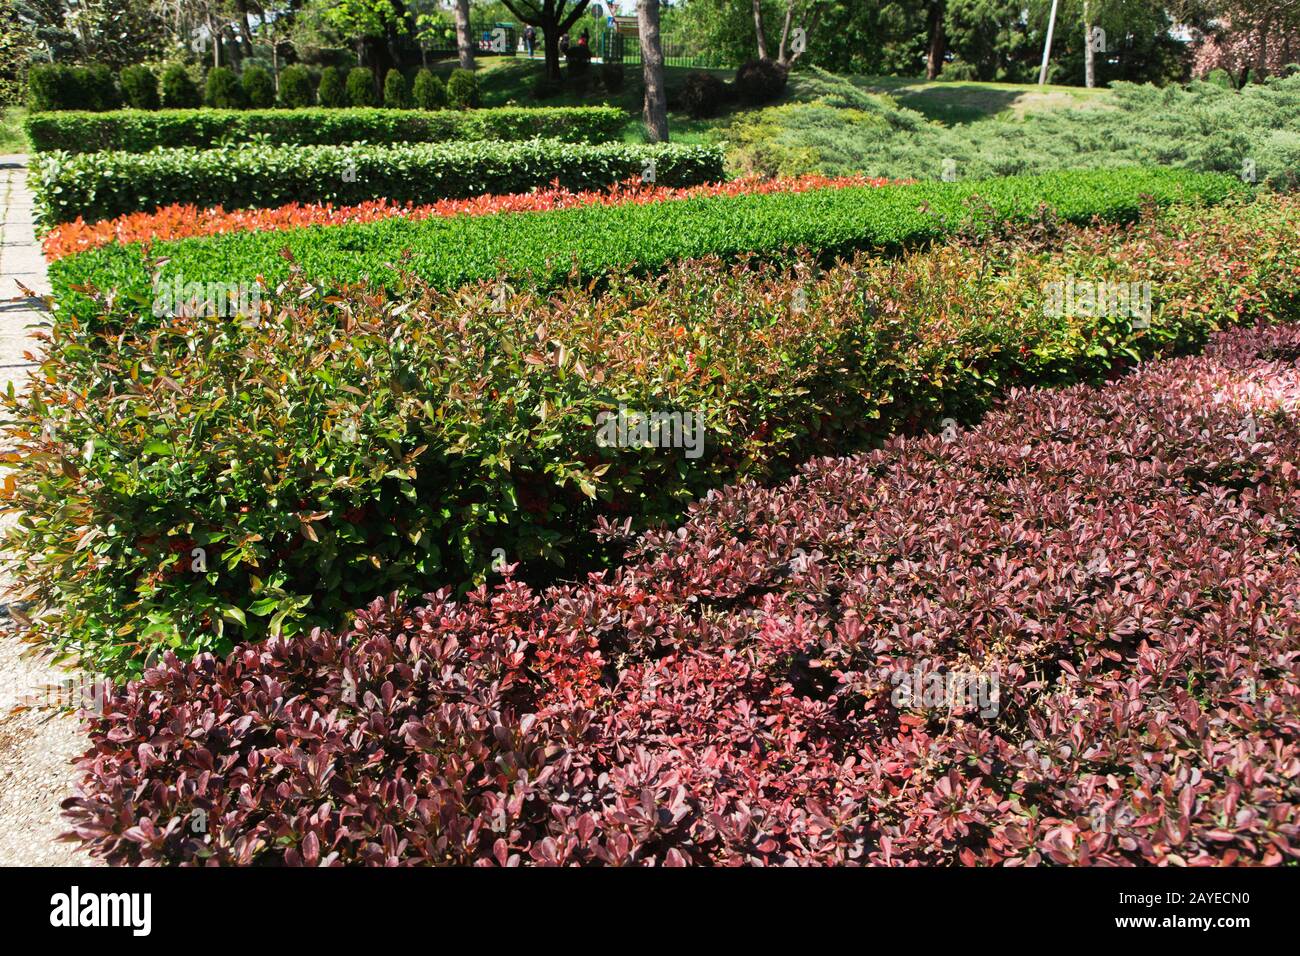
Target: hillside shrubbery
1202	127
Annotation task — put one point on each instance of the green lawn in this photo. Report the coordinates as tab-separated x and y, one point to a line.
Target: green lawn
507	80
953	103
12	138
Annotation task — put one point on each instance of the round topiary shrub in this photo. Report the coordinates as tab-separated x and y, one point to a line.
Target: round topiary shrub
396	96
361	87
50	86
462	89
331	92
429	91
223	90
760	81
178	89
295	86
139	88
259	87
702	95
96	88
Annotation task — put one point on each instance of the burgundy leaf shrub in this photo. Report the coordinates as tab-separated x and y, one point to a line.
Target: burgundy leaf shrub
1124	559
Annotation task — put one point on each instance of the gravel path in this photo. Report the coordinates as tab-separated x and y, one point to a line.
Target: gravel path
36	743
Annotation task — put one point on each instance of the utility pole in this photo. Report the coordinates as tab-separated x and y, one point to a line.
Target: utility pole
1047	47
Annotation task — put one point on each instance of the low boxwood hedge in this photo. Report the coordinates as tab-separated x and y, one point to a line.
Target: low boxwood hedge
194	481
134	131
97	186
545	248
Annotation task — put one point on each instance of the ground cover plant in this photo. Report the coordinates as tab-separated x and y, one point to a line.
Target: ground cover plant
183	221
194	480
96	186
136	131
1123	559
838	127
551	248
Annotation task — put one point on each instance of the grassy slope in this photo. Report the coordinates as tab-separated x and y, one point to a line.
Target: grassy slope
511	81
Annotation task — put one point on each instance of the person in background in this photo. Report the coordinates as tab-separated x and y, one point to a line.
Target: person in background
530	40
564	44
584	39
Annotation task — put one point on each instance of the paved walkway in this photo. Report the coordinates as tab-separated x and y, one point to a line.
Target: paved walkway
21	262
36	744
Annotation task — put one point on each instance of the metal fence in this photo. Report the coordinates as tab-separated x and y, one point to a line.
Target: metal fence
622	47
490	39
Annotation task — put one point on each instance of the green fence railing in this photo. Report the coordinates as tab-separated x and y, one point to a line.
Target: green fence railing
490	39
678	51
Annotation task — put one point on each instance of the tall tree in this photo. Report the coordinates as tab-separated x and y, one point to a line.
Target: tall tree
800	15
550	17
809	13
371	26
464	43
938	40
1248	38
1089	49
116	33
655	108
758	29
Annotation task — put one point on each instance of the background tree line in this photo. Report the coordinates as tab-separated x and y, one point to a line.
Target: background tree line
992	40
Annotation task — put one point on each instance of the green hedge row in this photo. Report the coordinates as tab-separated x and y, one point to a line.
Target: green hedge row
546	247
99	186
206	480
138	131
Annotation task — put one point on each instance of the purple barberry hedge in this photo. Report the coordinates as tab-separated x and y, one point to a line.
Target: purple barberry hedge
1118	566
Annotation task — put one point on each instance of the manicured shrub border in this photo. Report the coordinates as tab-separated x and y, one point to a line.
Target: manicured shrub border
1123	561
343	444
136	131
97	186
180	222
549	248
186	221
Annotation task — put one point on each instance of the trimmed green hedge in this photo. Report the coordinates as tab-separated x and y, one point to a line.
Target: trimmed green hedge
136	131
99	186
546	247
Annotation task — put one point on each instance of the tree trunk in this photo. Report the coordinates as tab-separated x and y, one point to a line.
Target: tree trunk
652	71
464	45
758	29
246	33
786	54
551	47
214	37
782	56
1089	55
1261	61
938	40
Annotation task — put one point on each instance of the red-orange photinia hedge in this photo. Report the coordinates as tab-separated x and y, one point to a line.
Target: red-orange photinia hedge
1124	559
185	221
